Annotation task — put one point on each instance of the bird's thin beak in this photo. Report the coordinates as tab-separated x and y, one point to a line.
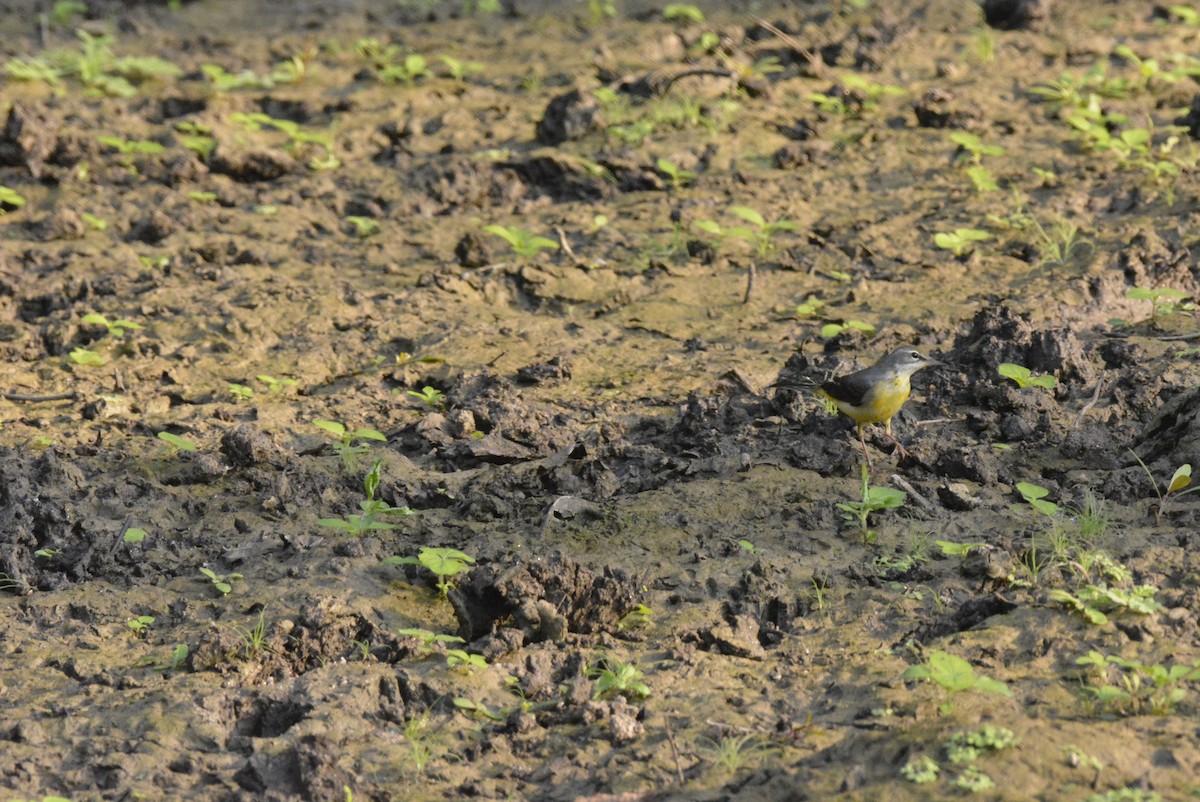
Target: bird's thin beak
934	363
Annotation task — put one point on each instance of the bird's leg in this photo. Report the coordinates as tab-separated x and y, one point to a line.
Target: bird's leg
863	439
901	451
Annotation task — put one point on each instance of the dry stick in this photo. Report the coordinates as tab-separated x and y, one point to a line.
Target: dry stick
904	485
1089	404
566	246
34	399
817	66
674	750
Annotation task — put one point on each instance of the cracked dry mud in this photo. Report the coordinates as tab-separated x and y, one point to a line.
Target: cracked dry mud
626	417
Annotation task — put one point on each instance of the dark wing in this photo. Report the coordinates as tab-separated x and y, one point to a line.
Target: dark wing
850	389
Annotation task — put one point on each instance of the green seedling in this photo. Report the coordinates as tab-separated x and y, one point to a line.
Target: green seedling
637	618
1024	377
82	356
960	241
177	660
1057	245
428	639
967	747
10	199
116	328
224	81
522	242
202	197
416	734
747	546
457	658
223	583
971	147
809	307
134	535
831	330
852	96
175	443
64	10
459	70
94	222
679	177
762	233
254	640
429	396
363	226
274	385
921	770
240	392
94	65
973	781
1163	300
873	499
951	549
1035	496
139	625
1139	686
732	752
982	179
614	678
372	510
346	448
407	70
1175	488
479	711
1184	14
129	148
1096	602
955	675
46	554
445	564
682	14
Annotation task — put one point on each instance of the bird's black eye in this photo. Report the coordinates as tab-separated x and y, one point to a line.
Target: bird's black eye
913	355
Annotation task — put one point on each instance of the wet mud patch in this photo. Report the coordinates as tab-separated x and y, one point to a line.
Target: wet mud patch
679	583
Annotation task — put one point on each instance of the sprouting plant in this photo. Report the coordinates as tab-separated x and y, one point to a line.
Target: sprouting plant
1092	518
731	752
972	780
921	770
852	95
363	226
429	396
952	549
1179	480
635	618
254	640
416	734
615	678
1139	686
129	148
445	564
64	10
10	198
176	661
224	81
679	177
134	534
960	241
972	147
175	443
116	328
407	70
873	499
459	70
1057	245
967	747
140	624
954	675
428	639
831	330
86	358
1096	602
522	242
982	178
373	509
1024	377
458	658
1163	300
240	391
346	448
94	222
222	582
362	648
762	233
682	13
275	385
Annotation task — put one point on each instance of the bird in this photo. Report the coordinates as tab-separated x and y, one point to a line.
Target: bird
876	394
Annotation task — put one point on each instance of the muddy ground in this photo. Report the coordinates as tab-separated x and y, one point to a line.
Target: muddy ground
666	601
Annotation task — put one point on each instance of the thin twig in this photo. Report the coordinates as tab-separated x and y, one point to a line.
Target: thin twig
565	246
815	63
674	751
35	399
751	275
1089	404
904	485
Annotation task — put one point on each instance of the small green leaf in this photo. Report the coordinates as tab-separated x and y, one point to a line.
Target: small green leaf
134	535
176	441
1181	479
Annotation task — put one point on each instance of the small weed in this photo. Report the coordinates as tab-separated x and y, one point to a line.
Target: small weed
951	549
1139	687
416	734
346	448
921	770
459	70
134	535
431	397
960	241
176	661
1093	518
1035	496
363	226
679	177
82	356
139	625
522	242
637	618
240	391
682	14
1179	480
274	385
1024	377
10	198
732	752
254	641
116	328
971	147
1096	602
373	509
1163	300
972	780
762	233
428	639
954	675
614	678
175	443
223	583
831	330
967	747
445	564
874	499
457	658
1058	245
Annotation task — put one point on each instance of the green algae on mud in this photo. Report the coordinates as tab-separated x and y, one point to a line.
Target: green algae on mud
618	412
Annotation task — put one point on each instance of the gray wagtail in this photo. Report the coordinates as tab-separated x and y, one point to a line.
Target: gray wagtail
875	394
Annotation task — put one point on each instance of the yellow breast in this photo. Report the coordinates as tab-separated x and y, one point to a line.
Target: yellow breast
882	402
